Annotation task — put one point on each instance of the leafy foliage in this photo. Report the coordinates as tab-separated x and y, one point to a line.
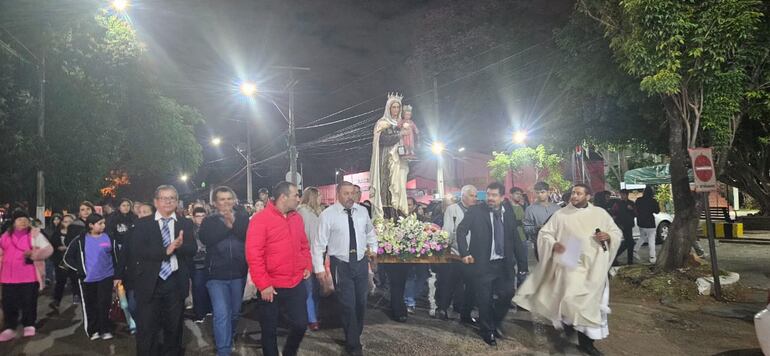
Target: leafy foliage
102	111
694	55
545	164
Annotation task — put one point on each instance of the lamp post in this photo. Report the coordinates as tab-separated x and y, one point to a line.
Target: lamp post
437	149
249	89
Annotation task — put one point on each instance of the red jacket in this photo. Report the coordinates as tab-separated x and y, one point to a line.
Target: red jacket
277	249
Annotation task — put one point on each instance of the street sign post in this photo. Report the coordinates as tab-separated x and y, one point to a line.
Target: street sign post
705	183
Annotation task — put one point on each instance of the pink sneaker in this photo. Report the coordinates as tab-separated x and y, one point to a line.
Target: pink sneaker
7	334
29	331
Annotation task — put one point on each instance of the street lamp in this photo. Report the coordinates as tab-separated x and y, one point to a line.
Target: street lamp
119	5
437	147
184	177
461	149
216	141
248	89
519	136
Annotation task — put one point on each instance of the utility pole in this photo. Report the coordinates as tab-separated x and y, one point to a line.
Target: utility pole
439	158
292	137
248	164
40	211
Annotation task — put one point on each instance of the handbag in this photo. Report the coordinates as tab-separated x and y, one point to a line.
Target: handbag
116	312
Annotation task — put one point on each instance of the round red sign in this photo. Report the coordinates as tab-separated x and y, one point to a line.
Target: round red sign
704	169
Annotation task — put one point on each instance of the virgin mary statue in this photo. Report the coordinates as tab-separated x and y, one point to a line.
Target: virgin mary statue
388	169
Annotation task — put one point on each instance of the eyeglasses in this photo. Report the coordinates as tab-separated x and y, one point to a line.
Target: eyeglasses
166	199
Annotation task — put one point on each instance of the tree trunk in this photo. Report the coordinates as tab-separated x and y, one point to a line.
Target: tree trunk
739	174
684	227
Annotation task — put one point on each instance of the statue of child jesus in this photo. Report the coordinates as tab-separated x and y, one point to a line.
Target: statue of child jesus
409	134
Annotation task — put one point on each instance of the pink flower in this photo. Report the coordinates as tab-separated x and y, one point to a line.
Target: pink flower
438	248
423	251
412	250
380	251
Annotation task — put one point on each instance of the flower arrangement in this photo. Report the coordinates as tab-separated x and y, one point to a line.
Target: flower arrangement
410	238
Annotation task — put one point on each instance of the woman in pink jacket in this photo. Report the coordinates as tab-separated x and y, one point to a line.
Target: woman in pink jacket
20	247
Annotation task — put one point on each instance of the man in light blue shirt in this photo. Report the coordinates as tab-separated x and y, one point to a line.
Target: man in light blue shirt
347	235
538	213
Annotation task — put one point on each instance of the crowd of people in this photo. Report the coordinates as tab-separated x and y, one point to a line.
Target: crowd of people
286	250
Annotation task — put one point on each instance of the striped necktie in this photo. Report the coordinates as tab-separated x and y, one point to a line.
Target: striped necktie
165	266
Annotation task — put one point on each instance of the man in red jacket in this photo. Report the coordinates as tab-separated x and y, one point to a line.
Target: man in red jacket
278	255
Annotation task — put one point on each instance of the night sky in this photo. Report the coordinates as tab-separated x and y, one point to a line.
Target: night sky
358	50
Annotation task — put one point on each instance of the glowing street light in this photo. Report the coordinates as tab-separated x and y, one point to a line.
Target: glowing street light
119	5
248	88
216	141
437	147
461	149
184	177
519	137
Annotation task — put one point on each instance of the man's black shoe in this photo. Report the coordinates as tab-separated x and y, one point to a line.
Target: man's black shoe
489	339
590	350
586	345
469	320
355	352
442	314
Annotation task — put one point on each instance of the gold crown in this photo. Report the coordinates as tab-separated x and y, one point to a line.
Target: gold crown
395	95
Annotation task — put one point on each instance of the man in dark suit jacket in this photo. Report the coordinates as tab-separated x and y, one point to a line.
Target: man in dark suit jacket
161	246
490	255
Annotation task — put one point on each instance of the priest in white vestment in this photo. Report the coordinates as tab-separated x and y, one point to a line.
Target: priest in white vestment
570	284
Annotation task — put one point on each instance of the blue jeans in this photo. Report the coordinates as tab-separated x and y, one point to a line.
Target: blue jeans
201	300
131	301
312	299
415	284
226	297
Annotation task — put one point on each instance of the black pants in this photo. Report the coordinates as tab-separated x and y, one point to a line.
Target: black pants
520	252
20	298
489	280
351	282
96	299
293	299
62	276
162	312
397	274
627	244
452	285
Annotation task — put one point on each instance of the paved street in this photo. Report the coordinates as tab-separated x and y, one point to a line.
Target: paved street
637	327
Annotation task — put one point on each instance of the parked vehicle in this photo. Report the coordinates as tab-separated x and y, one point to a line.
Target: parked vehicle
662	224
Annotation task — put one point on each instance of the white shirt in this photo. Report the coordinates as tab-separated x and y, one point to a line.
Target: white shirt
453	215
333	233
158	217
493	256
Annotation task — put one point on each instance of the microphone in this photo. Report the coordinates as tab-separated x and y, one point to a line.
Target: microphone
603	243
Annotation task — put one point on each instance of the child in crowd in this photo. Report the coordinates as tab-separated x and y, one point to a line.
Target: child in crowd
92	255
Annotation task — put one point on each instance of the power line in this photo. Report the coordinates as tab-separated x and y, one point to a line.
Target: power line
340	120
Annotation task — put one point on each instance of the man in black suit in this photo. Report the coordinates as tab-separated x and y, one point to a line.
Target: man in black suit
161	246
490	258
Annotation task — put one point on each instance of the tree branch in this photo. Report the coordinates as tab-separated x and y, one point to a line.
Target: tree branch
584	9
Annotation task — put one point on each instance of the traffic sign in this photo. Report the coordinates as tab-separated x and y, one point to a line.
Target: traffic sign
703	169
299	177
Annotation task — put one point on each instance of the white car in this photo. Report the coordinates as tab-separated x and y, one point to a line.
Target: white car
662	223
